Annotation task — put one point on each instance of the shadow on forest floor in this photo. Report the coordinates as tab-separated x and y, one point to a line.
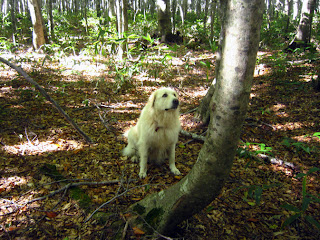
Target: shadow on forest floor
282	119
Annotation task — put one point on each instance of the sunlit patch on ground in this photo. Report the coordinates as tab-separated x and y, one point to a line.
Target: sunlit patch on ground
86	88
11	204
289	126
306	138
39	147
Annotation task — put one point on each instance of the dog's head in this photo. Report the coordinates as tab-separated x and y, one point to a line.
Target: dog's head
165	99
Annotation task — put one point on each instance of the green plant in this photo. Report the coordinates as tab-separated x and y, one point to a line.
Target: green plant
245	152
61	89
86	102
280	62
253	193
7	45
125	72
299	146
299	212
264	110
317	134
149	39
213	45
207	64
167	60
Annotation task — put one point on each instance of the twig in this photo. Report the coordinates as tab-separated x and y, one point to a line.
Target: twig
259	121
124	232
104	204
277	161
190	111
65	188
193	135
103	119
112	199
48	97
67	180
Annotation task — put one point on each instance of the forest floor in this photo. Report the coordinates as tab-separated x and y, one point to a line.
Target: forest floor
41	153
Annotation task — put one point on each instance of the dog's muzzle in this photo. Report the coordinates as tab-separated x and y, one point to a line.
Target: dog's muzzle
175	104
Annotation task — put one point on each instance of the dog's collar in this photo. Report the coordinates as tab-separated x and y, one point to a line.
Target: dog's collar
158	128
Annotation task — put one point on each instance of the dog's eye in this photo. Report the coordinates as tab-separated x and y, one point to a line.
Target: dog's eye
175	95
165	95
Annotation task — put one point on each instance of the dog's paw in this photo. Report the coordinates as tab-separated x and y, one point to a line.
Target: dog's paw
175	171
142	174
134	159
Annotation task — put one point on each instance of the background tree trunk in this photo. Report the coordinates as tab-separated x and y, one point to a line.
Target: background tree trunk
303	35
122	24
203	111
173	14
213	7
164	23
164	210
50	19
205	19
304	28
38	37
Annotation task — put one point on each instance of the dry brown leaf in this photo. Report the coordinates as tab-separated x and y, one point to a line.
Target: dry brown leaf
138	231
51	214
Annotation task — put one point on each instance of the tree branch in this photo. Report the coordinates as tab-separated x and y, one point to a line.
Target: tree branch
45	94
193	135
65	188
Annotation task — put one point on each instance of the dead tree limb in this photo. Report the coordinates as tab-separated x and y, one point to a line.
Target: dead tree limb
47	96
260	157
193	135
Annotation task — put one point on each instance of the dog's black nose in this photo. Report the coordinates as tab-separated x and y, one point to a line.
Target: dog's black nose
175	103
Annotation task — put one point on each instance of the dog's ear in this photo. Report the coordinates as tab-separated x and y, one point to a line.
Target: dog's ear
152	99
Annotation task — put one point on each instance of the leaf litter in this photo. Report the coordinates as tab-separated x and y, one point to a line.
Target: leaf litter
283	117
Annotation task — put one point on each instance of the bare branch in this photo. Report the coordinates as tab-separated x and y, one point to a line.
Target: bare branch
193	135
48	97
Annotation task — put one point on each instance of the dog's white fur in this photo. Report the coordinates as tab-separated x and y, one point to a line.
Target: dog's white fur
155	136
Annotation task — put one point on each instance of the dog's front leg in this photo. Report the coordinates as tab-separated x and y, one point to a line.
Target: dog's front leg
143	153
172	164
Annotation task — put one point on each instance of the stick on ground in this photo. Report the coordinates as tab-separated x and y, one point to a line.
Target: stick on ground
47	96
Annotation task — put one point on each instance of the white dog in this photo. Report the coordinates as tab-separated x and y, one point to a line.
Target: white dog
155	136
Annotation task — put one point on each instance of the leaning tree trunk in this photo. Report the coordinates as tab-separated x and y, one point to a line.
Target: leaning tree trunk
38	36
166	209
303	35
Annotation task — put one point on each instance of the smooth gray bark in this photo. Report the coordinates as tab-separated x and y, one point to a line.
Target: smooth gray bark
303	35
166	209
304	28
38	37
122	25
